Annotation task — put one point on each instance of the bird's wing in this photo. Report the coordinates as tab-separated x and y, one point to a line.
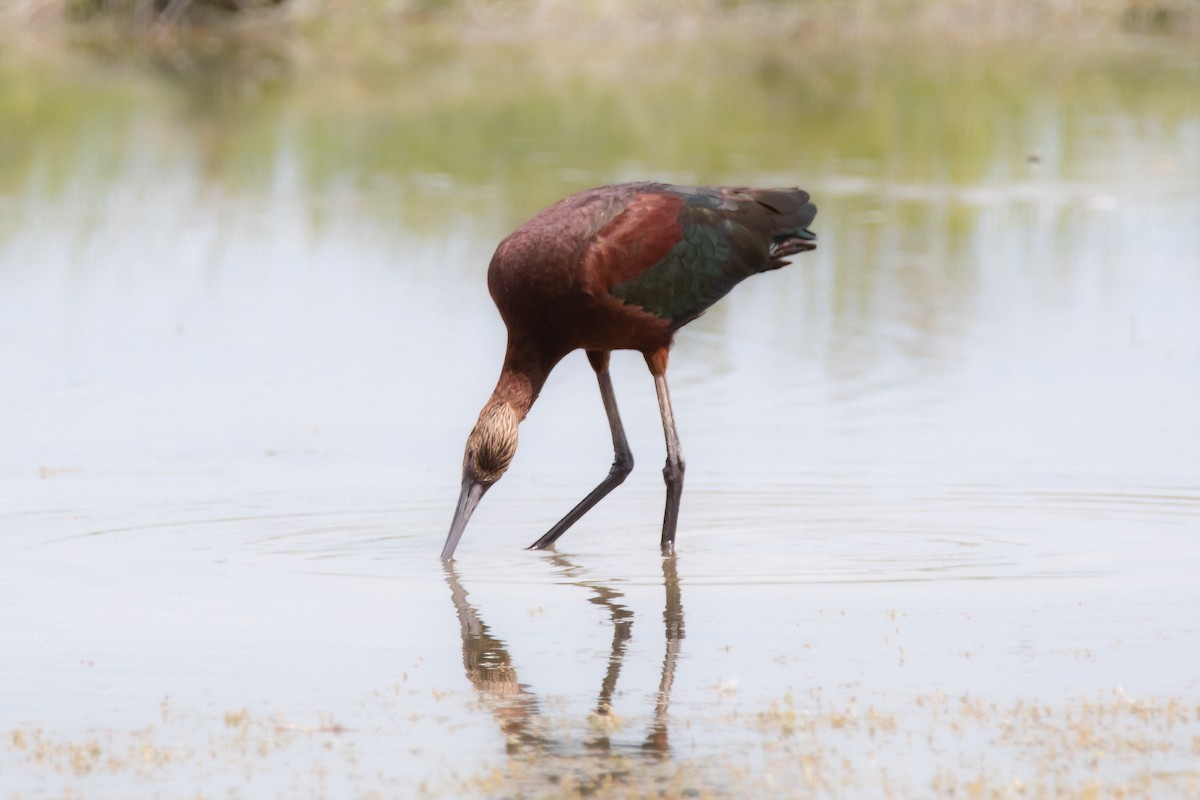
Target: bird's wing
675	251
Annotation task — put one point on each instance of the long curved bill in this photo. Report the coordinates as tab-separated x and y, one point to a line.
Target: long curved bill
472	490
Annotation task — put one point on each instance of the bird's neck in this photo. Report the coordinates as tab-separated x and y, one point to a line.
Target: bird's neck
521	379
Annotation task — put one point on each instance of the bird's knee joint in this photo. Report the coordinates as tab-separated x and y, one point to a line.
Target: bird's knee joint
621	467
673	471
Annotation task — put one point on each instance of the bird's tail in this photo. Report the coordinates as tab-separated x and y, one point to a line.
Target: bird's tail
791	214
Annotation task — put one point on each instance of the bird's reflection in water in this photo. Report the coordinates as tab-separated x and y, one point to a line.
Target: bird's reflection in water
515	707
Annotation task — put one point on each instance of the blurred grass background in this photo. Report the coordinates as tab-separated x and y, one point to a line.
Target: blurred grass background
534	98
682	17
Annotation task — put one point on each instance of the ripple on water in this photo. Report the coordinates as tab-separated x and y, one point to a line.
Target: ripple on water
842	532
827	532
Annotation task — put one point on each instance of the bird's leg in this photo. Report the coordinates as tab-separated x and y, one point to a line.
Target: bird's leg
673	471
622	458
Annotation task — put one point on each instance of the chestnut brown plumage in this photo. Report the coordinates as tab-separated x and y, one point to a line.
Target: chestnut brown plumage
618	268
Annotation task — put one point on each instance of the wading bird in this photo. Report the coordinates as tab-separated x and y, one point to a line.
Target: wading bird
617	268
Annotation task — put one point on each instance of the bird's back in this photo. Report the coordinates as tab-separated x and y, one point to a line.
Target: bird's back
644	255
722	236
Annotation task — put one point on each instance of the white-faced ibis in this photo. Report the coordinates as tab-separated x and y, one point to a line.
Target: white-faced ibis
618	268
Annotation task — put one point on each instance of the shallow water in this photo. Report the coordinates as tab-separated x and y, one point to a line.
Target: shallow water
942	507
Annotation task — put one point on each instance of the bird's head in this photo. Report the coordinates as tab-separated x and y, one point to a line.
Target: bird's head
492	443
490	449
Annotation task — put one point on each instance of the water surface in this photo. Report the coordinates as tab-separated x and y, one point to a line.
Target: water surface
942	507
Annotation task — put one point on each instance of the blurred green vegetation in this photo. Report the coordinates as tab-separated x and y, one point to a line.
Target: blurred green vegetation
499	117
420	108
965	18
